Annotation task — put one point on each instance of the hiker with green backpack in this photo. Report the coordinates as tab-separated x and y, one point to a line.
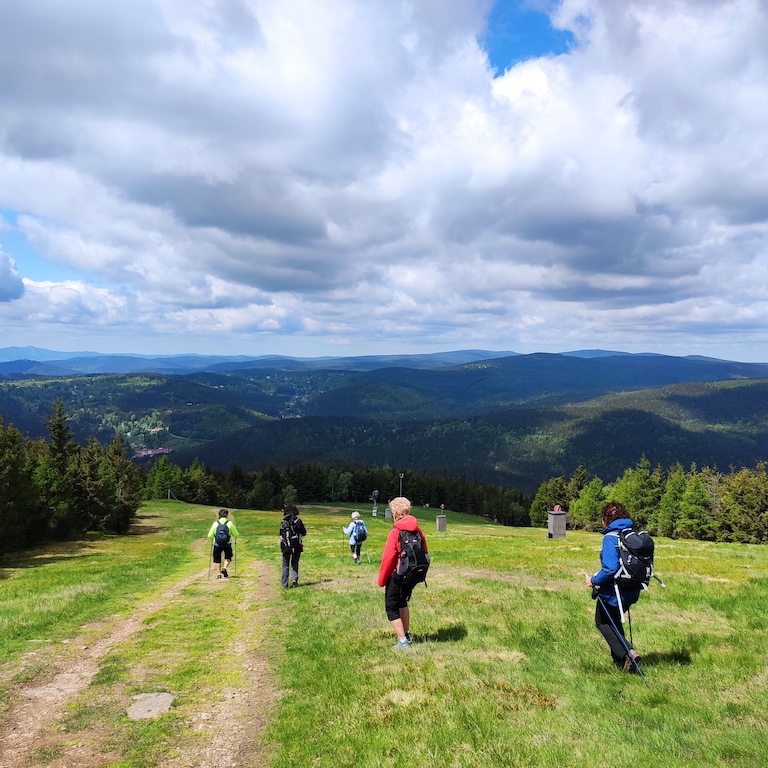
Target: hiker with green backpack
221	532
404	564
357	533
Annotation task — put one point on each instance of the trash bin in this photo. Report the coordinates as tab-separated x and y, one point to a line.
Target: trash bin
556	525
442	522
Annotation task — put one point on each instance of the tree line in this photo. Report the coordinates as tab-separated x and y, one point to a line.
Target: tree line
273	487
693	504
55	488
52	489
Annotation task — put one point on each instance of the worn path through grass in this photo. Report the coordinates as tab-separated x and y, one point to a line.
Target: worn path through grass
164	627
507	668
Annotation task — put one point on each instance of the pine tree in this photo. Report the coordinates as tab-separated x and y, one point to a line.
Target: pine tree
550	493
694	521
664	523
585	512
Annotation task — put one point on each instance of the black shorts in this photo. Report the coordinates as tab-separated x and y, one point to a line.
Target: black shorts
217	551
396	596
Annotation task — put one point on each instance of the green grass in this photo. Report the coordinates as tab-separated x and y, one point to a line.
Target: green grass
507	669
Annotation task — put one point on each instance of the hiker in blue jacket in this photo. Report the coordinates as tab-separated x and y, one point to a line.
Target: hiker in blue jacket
608	614
351	531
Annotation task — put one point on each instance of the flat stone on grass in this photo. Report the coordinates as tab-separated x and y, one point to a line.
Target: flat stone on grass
148	705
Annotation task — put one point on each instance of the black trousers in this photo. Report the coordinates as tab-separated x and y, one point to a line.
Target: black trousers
617	642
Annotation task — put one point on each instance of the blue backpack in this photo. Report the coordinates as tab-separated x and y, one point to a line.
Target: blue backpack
221	537
360	533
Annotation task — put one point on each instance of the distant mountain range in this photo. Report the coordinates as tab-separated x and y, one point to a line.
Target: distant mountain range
496	416
33	361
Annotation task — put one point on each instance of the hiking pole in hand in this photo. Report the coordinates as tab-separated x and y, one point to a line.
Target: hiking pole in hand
623	640
210	560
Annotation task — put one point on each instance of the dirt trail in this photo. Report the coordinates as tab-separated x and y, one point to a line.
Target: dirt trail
238	719
31	724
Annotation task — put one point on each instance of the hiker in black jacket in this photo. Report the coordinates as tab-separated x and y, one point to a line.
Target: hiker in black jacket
292	533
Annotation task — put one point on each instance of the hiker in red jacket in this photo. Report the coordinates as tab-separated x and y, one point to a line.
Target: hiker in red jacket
397	594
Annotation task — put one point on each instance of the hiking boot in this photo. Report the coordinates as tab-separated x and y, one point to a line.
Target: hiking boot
401	645
357	561
629	664
224	573
295	584
219	576
408	636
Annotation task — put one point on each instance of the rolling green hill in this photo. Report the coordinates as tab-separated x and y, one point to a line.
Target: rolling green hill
515	420
712	424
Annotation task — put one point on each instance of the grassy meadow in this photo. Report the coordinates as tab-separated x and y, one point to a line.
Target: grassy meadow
507	667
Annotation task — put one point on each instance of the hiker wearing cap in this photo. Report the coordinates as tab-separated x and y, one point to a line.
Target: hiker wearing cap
357	533
608	612
221	533
397	592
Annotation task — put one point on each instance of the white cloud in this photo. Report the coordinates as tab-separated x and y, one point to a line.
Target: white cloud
351	172
11	285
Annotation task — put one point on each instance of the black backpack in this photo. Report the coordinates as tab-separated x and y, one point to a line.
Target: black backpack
290	540
414	560
635	559
361	532
221	537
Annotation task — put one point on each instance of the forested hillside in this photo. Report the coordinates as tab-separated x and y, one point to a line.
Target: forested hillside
513	421
712	424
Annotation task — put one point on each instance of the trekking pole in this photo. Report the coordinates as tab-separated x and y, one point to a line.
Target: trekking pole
234	555
210	560
631	639
623	640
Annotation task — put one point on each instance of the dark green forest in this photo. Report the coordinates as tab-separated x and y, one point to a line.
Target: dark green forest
515	428
693	503
57	488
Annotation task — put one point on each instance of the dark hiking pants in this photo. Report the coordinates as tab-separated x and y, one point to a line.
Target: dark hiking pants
616	642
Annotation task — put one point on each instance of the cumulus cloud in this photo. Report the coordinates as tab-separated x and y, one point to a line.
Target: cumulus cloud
354	171
11	285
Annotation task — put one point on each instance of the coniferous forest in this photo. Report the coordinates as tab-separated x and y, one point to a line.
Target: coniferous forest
57	488
505	439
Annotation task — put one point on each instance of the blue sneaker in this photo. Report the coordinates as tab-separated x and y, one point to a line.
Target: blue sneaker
401	645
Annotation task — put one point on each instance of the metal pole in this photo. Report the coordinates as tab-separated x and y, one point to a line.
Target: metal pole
210	560
623	640
234	555
401	483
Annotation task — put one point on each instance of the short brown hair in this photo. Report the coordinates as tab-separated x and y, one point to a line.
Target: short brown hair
291	509
613	510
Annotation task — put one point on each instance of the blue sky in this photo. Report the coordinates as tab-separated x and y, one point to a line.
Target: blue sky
367	177
517	31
